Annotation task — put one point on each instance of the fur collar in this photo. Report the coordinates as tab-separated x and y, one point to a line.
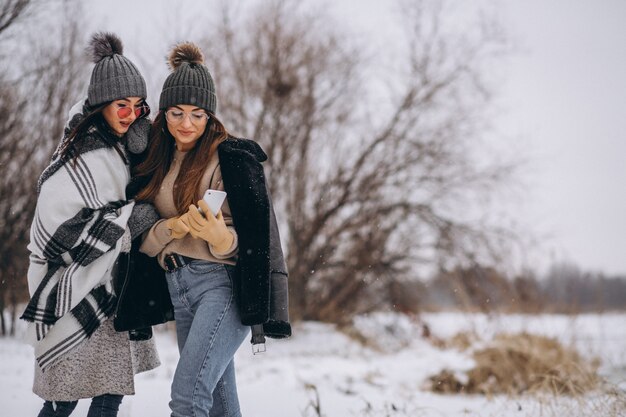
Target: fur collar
245	147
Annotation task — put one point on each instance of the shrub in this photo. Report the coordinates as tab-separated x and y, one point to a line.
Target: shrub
517	363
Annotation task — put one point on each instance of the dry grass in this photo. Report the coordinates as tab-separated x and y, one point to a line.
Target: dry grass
519	363
462	340
605	402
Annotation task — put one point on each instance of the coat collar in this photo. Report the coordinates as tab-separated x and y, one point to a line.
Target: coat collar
243	146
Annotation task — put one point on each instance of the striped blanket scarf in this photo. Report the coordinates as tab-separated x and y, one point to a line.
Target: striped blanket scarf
75	238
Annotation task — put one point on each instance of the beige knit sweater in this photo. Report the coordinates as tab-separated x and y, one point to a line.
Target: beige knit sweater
158	240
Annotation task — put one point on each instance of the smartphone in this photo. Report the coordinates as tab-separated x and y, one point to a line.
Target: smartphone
214	199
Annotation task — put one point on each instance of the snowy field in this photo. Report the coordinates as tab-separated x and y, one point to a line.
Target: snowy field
320	371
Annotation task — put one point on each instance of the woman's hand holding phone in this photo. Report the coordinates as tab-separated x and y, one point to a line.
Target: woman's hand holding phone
178	226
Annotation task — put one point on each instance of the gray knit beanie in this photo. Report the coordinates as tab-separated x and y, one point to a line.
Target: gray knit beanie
114	76
190	81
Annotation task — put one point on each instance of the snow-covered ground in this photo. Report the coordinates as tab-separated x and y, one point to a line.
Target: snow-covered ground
321	368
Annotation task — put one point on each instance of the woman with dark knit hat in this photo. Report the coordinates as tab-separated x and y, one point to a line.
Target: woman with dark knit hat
82	224
224	266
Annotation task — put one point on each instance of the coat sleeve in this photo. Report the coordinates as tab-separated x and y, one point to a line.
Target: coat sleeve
278	324
244	182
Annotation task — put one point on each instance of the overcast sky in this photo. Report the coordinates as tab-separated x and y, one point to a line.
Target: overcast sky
563	97
566	94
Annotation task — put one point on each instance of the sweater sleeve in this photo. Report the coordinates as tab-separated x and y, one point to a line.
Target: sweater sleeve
156	239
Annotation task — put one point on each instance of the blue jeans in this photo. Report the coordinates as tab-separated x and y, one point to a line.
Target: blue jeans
209	332
105	405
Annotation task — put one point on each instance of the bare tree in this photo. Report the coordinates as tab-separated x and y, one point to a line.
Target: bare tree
479	288
366	191
33	111
567	288
528	296
11	11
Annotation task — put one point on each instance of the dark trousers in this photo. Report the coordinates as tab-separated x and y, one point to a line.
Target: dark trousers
105	405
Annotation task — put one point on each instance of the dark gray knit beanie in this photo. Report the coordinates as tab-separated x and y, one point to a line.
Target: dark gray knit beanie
190	81
114	76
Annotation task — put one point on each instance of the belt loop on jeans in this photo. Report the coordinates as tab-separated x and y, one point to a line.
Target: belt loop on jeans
174	261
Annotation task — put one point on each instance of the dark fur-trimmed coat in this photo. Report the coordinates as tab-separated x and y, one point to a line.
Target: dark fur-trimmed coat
261	273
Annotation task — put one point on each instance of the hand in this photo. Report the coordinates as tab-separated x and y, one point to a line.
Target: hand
212	229
137	135
178	226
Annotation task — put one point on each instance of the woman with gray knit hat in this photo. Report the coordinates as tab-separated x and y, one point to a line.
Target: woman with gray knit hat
82	223
224	264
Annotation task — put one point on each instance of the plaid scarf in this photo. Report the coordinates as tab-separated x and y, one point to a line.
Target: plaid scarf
75	239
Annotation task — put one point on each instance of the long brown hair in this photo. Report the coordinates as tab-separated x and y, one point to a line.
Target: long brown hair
159	159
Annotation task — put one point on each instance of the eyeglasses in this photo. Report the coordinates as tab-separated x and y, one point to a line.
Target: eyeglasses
175	116
124	111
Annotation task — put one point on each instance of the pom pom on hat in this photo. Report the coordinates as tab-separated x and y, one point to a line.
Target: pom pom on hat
184	52
104	44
